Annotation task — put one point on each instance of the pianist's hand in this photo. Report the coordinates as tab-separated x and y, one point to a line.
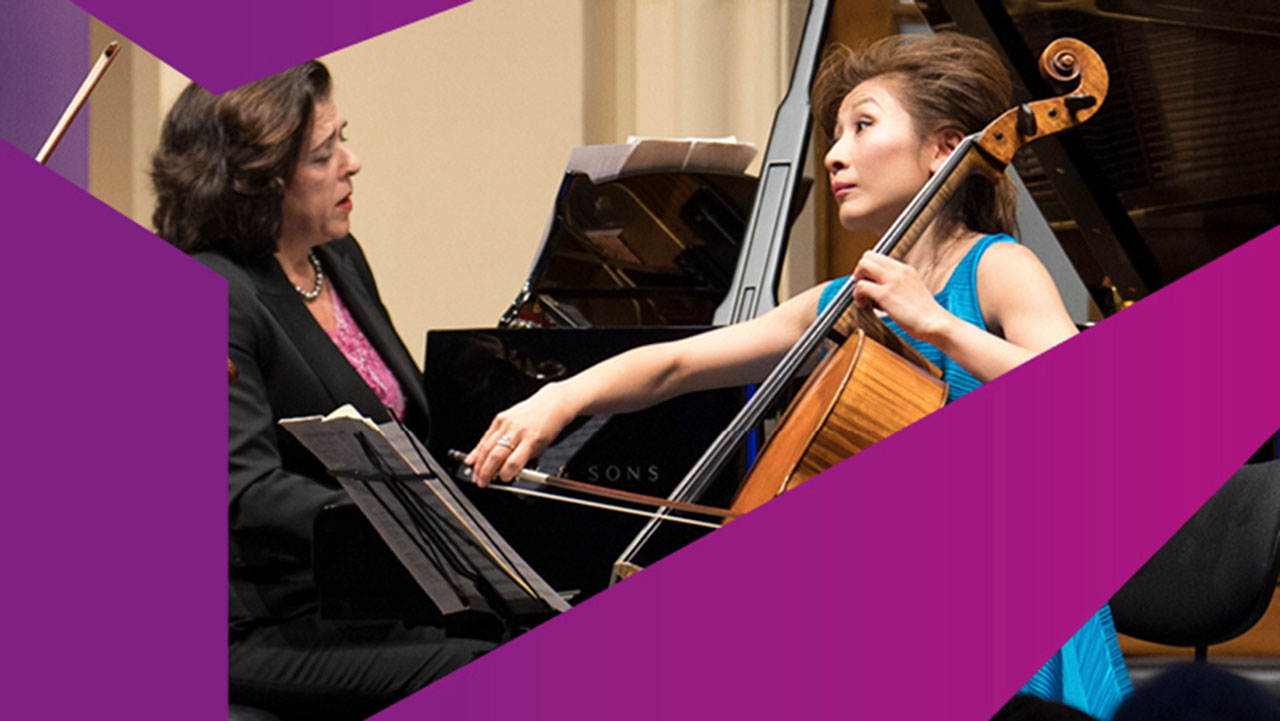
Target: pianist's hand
518	434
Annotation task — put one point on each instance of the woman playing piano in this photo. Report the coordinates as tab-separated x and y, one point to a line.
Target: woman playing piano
256	184
968	296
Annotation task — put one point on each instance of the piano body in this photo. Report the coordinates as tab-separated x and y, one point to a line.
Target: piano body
629	258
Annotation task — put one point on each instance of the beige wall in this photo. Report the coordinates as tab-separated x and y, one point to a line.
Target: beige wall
464	122
124	124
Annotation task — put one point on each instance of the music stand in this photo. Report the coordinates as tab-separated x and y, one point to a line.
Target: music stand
449	549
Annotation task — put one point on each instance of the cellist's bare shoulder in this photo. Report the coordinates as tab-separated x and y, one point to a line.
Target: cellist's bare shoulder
1019	299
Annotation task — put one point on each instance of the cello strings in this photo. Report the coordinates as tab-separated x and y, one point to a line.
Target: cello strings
935	192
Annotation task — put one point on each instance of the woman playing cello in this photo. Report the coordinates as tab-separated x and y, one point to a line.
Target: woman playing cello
966	295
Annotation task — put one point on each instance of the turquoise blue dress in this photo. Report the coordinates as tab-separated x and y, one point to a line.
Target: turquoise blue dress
1088	672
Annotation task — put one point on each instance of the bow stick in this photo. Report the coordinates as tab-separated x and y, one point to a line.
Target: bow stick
77	101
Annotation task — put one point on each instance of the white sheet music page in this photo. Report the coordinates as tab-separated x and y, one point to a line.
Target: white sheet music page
332	438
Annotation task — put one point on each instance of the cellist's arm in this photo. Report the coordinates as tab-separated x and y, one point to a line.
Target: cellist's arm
642	377
1019	301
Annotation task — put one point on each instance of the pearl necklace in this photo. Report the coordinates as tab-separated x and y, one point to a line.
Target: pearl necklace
314	292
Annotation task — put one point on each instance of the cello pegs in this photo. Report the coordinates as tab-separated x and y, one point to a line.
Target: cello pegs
1026	121
1079	101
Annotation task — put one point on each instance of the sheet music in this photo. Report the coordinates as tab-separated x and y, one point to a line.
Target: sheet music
606	162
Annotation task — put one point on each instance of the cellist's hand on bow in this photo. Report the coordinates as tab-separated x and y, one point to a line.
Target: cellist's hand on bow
897	289
518	434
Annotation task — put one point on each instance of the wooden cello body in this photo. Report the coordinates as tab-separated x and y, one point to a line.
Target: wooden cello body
864	390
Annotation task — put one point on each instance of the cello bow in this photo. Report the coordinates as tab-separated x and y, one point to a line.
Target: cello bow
78	100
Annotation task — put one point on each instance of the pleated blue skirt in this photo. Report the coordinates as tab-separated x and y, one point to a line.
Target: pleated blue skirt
1088	672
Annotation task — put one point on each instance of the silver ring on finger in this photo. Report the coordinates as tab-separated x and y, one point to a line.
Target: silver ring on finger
505	441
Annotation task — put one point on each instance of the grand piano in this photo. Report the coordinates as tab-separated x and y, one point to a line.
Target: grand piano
1174	171
639	255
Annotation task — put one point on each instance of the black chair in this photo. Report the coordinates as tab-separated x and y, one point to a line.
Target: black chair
246	713
1199	692
1214	579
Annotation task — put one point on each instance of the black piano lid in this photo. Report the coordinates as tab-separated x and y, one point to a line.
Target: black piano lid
648	243
1179	166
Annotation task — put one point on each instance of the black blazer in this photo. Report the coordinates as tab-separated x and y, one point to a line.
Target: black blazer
289	367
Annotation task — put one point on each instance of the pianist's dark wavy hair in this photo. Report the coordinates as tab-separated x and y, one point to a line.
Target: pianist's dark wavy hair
945	81
224	161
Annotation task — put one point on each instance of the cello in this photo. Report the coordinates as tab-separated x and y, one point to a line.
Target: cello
872	384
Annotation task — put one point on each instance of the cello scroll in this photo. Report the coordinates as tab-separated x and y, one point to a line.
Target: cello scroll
1063	61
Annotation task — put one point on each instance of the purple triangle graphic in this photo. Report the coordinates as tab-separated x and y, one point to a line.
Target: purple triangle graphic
225	44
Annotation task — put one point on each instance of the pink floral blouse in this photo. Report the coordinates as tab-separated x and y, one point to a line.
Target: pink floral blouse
361	354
